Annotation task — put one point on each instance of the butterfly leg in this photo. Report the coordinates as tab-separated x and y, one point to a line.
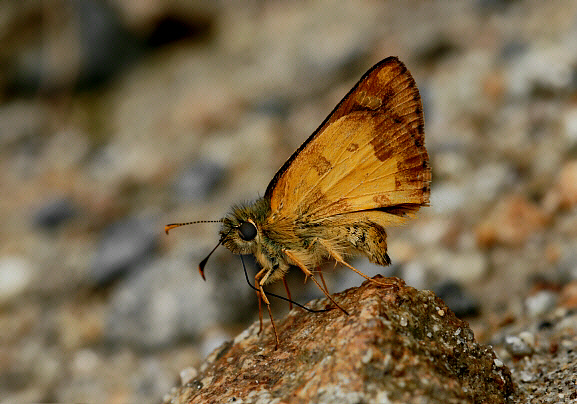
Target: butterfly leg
338	258
259	280
323	279
310	274
288	293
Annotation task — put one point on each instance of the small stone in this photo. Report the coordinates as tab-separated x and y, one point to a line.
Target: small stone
460	266
124	245
517	347
568	185
490	179
15	276
414	274
527	377
53	213
541	302
570	125
568	298
528	338
187	374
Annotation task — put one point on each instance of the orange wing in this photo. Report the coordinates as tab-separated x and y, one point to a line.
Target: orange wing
368	155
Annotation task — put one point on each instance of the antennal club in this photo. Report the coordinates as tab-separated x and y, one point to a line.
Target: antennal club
204	261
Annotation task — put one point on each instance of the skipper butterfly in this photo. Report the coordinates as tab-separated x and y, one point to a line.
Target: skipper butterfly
365	168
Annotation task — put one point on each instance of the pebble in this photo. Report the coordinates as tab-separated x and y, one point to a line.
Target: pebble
517	347
568	296
124	245
570	125
15	277
541	302
460	266
447	198
54	213
187	374
568	184
540	68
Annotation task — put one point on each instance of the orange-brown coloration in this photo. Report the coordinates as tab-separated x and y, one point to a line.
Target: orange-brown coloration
365	168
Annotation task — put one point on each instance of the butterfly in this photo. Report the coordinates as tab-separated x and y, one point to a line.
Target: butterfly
365	168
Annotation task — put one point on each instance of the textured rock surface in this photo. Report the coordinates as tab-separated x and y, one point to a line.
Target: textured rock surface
542	356
395	346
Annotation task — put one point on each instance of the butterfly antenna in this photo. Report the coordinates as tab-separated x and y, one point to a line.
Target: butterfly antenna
204	261
171	226
279	296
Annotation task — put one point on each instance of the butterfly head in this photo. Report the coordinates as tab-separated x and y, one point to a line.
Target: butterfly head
241	228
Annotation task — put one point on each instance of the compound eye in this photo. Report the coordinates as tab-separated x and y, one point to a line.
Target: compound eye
247	231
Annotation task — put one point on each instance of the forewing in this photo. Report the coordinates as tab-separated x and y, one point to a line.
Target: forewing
368	154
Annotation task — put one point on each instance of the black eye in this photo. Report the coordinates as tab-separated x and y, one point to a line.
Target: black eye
247	231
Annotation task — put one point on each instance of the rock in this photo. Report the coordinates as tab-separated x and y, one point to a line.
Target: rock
541	302
53	213
546	372
15	277
570	125
461	266
397	346
568	185
124	245
517	346
568	298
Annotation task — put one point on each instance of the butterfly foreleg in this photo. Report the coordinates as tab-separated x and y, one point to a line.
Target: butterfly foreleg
308	273
259	280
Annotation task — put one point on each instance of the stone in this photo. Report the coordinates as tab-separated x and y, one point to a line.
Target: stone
568	298
124	246
568	185
512	222
54	213
399	345
541	302
517	347
16	275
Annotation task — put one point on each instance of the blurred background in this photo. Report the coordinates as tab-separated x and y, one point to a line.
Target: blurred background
118	117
